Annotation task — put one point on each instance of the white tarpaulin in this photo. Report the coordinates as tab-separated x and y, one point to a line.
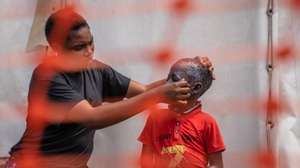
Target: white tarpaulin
127	33
288	35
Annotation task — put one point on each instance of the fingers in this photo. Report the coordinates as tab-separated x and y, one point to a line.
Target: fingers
182	83
179	90
204	61
184	90
183	96
207	63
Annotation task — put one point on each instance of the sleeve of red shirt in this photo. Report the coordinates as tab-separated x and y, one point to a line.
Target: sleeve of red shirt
213	137
146	137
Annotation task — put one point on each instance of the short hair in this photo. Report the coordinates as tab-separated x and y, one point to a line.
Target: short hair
190	69
60	24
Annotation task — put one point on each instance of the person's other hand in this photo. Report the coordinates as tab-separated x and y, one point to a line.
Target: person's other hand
207	63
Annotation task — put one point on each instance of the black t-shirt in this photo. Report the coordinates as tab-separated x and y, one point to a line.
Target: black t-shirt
96	84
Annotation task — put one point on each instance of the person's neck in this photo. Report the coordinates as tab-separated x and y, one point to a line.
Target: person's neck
184	109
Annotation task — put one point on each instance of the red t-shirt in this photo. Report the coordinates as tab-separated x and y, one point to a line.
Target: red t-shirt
182	141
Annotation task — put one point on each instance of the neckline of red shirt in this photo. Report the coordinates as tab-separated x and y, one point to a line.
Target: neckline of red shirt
194	110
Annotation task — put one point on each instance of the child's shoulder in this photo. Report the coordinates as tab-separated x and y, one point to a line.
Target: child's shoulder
204	116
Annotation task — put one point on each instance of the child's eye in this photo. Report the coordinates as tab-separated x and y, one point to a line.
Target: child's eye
78	47
175	77
198	86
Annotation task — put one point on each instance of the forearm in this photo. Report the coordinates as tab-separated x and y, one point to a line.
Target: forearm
155	84
147	157
215	160
147	161
135	88
109	114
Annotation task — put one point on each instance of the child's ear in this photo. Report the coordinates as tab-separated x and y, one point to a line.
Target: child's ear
197	86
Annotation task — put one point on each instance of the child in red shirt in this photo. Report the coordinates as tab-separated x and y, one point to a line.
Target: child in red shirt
183	136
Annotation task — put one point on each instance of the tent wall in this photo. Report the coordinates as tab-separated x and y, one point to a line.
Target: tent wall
127	33
288	135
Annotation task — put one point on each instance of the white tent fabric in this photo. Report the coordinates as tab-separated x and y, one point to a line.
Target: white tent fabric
233	33
288	135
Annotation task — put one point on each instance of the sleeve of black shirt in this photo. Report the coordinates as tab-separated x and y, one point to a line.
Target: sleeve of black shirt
60	91
53	85
115	85
47	88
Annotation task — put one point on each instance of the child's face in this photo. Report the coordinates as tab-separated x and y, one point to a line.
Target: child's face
195	85
194	74
181	106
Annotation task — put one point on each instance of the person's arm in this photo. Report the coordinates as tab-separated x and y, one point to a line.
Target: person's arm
147	156
112	113
214	143
215	160
136	88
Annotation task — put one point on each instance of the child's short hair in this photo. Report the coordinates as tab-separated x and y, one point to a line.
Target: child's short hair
190	69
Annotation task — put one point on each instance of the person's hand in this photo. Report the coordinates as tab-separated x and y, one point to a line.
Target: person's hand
174	92
207	63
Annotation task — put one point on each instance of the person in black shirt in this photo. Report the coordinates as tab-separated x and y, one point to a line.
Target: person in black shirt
66	98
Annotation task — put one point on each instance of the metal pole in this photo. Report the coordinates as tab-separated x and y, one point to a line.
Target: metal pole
270	68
